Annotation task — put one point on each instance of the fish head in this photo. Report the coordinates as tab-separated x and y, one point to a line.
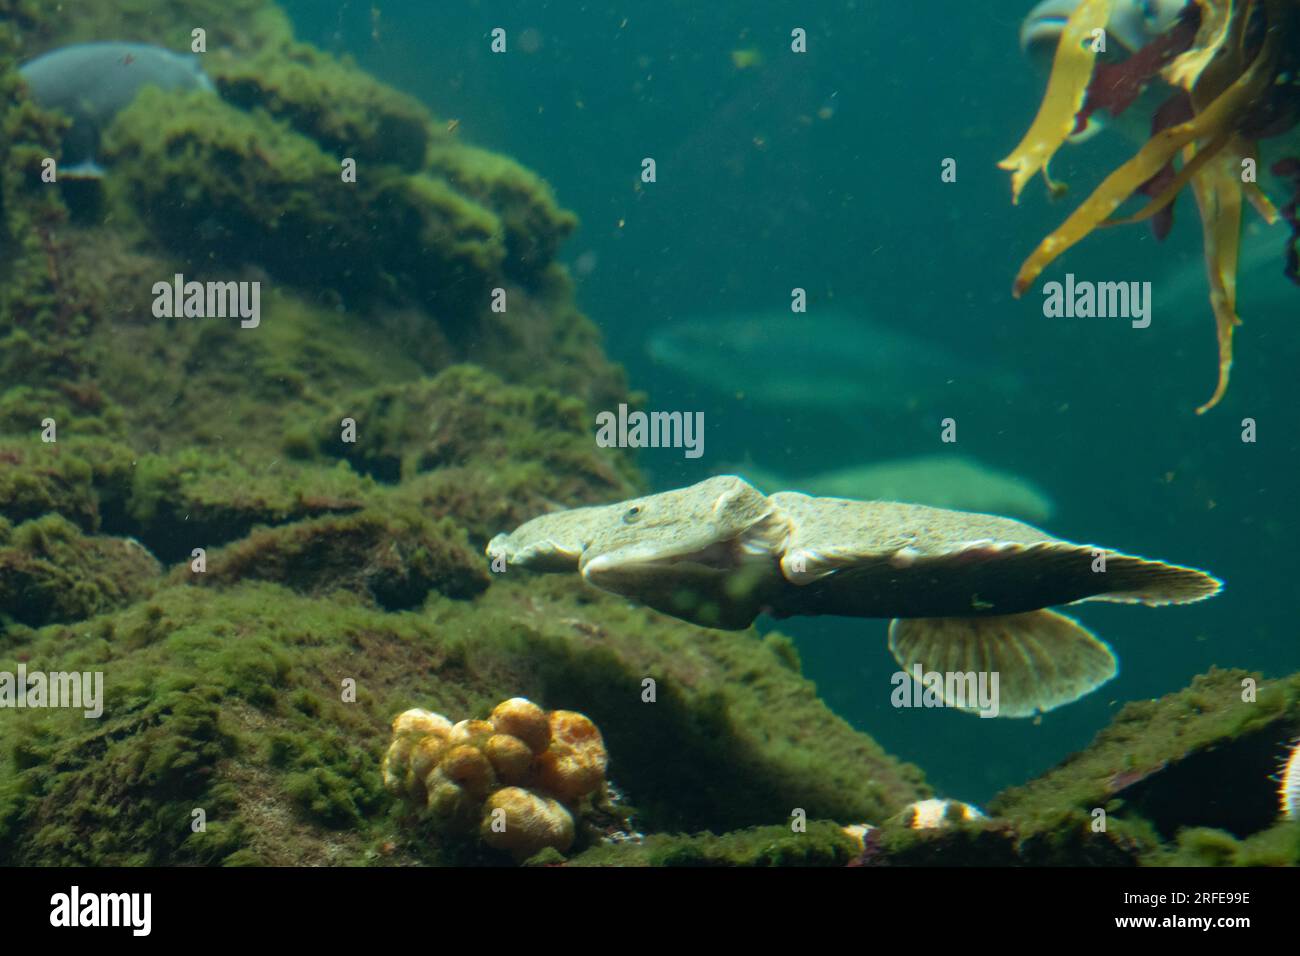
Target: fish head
553	542
689	525
705	554
1133	23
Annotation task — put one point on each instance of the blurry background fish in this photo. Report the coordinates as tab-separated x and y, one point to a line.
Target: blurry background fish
941	481
92	82
826	360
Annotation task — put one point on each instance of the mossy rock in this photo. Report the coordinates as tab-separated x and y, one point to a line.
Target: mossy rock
392	556
222	185
81	479
467	418
343	108
199	498
289	767
245	26
50	572
534	223
1202	757
821	844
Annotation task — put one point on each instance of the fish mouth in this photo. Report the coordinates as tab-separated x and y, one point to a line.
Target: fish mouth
717	557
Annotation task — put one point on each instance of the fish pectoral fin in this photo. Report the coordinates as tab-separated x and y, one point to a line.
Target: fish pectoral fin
806	565
1043	659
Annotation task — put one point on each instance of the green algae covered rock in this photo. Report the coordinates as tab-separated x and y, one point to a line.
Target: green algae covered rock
287	767
1201	757
1186	780
77	478
197	498
395	557
534	223
463	416
51	572
240	25
821	844
342	108
223	185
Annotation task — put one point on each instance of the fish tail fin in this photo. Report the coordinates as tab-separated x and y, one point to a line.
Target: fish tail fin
1043	659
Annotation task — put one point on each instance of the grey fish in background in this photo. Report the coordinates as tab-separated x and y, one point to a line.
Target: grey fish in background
820	360
966	592
93	82
941	481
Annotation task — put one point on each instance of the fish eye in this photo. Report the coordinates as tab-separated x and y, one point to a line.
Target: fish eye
632	514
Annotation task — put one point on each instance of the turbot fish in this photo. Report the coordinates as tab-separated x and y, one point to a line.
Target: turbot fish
965	592
93	82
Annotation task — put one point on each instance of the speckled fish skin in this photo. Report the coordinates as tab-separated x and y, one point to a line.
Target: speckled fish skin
882	559
555	541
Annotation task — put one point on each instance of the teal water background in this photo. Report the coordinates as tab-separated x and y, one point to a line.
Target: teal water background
822	171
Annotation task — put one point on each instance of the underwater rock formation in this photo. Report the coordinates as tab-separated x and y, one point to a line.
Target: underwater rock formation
519	777
1187	780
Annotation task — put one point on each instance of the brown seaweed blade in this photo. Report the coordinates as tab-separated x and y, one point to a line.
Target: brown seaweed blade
1219	197
1066	89
1209	125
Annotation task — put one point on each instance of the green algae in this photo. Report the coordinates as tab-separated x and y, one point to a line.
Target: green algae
533	221
50	572
200	498
284	759
223	185
331	101
821	844
463	417
245	26
1200	758
393	556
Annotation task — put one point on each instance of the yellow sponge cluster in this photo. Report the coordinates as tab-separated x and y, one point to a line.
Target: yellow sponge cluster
519	776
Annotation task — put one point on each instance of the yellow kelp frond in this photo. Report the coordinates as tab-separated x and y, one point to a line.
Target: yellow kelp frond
1219	198
1066	88
1263	205
1207	127
1216	18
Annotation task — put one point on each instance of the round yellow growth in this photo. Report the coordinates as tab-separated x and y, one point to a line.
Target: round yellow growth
468	767
472	732
523	823
574	764
446	798
424	756
510	757
523	719
417	721
520	775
